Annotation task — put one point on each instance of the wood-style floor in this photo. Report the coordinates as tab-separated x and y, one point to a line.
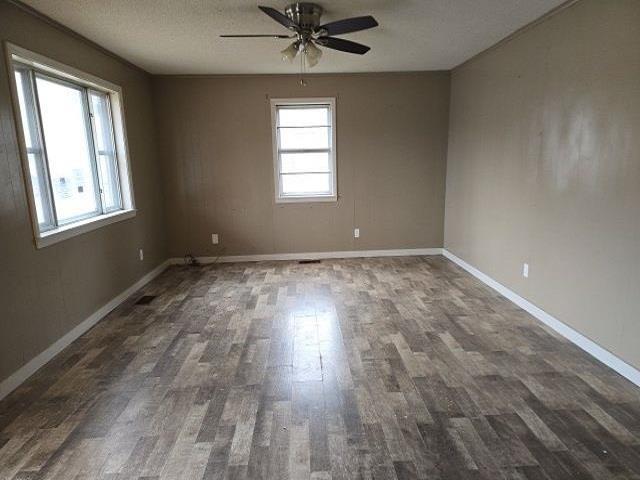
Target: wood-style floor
391	368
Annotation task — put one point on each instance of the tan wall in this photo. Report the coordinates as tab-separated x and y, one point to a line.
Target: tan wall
215	144
544	168
45	293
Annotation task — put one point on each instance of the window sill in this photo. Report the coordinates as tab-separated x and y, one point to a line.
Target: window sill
78	228
320	199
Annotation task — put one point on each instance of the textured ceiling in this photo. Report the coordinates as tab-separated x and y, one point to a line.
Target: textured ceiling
181	36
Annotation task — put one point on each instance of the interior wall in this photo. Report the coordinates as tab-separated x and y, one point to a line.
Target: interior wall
215	144
544	168
45	293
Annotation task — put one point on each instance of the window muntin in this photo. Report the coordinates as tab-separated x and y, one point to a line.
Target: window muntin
304	152
72	157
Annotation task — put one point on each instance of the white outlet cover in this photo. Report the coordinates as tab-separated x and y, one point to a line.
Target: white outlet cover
525	270
356	233
141	253
214	239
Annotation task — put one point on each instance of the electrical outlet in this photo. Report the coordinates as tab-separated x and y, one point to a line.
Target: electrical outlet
141	254
214	239
356	233
525	270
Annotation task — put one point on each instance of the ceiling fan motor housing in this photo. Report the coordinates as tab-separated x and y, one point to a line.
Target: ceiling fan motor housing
305	14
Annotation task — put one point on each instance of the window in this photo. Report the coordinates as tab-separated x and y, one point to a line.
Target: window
304	149
73	145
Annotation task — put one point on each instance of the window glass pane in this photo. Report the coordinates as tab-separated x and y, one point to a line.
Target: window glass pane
107	163
306	184
66	134
34	150
110	191
304	162
303	138
303	116
100	109
39	192
23	91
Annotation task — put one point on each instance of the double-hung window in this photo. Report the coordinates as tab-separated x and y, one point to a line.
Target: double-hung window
73	145
304	149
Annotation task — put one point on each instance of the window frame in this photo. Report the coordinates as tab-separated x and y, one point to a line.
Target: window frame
16	58
284	102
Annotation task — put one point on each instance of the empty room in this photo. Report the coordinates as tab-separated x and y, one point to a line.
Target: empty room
377	240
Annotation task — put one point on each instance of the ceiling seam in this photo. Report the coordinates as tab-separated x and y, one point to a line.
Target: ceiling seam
516	33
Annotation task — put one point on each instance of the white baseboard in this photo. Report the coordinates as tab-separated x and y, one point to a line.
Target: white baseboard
404	252
16	379
586	344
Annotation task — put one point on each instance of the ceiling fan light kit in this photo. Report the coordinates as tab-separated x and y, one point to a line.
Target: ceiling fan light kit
303	19
312	54
289	53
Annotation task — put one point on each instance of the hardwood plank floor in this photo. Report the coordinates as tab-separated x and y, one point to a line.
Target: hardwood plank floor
383	368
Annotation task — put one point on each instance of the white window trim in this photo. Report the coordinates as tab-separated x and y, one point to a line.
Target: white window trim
275	102
14	53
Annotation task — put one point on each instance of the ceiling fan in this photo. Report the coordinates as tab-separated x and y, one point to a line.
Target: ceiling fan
303	19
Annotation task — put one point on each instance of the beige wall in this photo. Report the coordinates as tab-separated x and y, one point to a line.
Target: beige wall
215	143
544	168
45	293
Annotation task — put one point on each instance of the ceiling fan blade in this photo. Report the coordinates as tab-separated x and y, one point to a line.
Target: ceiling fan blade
343	45
281	18
258	36
349	25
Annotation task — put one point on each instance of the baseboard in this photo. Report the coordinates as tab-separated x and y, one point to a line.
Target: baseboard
586	344
23	373
404	252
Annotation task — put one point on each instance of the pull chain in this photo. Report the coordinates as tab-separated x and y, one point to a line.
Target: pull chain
302	82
